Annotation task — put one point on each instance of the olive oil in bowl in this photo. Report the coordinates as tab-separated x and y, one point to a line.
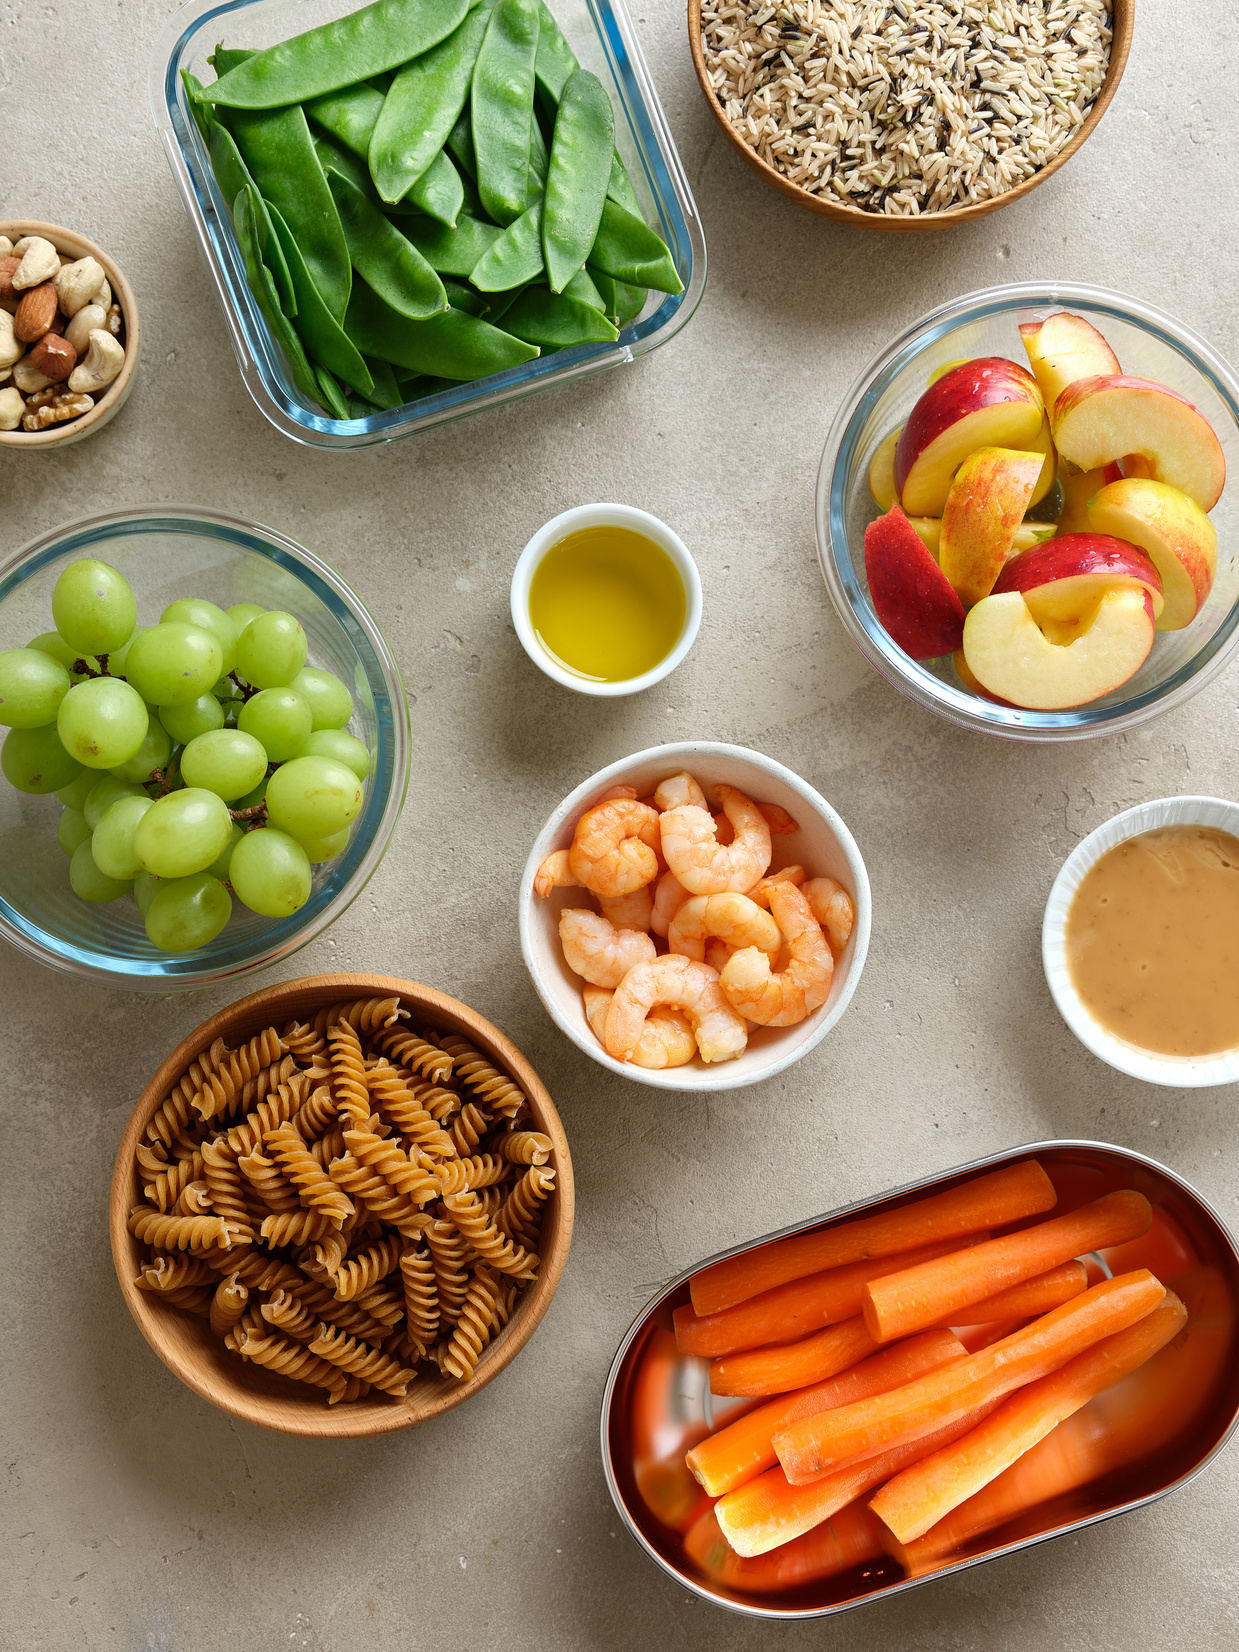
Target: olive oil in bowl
607	603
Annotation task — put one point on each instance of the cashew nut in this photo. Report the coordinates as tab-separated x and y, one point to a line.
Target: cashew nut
77	284
11	409
11	347
28	378
6	247
104	295
39	262
104	361
83	324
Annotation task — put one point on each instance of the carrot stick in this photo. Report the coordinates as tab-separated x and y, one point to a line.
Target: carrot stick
920	1496
669	1491
770	1511
850	1539
794	1309
990	1201
744	1448
793	1364
933	1293
820	1444
1035	1296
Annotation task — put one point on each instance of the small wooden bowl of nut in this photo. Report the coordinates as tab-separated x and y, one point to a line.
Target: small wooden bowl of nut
69	336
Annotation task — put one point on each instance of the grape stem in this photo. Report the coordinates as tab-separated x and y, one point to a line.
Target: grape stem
254	816
247	690
164	781
82	669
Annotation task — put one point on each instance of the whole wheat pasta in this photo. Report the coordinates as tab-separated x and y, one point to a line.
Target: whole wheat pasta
290	1359
284	1313
461	1175
320	1301
348	1074
295	1227
250	1324
440	1103
301	1041
395	1167
328	1147
364	1015
166	1187
363	1271
195	1299
398	1105
194	1199
224	1180
382	1303
417	1054
362	1361
421	1297
329	1251
306	1174
521	1215
165	1232
264	1083
268	1181
395	1208
525	1147
269	1114
172	1117
316	1115
490	1200
229	1302
472	1330
465	1210
266	1273
151	1161
495	1088
171	1273
468	1130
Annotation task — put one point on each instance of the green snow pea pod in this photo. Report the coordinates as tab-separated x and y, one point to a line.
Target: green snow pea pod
555	321
513	259
232	175
363	43
501	303
439	191
224	58
451	345
539	160
423	105
386	393
583	289
197	103
555	63
578	177
390	264
620	302
460	145
320	332
349	115
262	285
620	189
416	386
452	251
629	250
464	298
360	408
501	107
331	394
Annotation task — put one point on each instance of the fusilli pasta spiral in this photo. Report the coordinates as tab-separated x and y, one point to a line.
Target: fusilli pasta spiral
290	1359
228	1304
306	1174
362	1361
521	1215
468	1215
417	1054
495	1088
472	1330
421	1297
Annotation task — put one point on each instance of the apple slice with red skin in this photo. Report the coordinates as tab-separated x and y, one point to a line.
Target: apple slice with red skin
969	681
1063	348
1063	580
1095	421
984	508
882	472
911	595
1027	534
1078	488
1043	442
1173	530
990	402
1009	655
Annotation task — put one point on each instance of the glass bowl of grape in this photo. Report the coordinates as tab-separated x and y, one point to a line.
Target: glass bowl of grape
205	747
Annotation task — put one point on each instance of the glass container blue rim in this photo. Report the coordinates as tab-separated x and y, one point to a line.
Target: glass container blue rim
851	601
263	368
387	787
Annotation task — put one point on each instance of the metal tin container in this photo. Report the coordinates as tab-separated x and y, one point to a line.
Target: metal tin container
1187	1243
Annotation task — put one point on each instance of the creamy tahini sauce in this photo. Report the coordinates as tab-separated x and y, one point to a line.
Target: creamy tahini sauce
1152	941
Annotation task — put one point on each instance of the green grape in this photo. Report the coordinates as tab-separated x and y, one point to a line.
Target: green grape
252	799
271	650
101	796
89	883
270	873
152	754
112	842
345	748
32	685
74	795
93	607
174	663
328	699
33	760
225	761
207	617
319	849
144	887
187	912
219	866
183	833
50	642
102	723
71	830
119	657
194	717
280	720
312	797
241	613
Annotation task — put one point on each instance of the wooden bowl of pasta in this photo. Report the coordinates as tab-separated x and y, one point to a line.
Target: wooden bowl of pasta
223	1203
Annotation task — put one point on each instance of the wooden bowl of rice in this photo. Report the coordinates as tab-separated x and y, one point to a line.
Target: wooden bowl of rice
815	85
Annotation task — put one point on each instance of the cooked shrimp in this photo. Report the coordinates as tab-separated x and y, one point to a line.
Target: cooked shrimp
618	794
724	831
831	905
702	864
597	950
732	918
615	847
751	987
629	911
717	954
669	896
666	1038
777	818
686	985
677	790
554	873
760	892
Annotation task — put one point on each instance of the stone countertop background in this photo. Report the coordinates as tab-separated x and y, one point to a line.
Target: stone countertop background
135	1516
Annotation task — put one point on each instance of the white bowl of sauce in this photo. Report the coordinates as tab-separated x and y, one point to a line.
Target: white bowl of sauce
606	599
1141	941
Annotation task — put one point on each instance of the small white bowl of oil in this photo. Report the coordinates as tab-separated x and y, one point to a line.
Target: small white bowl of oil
606	599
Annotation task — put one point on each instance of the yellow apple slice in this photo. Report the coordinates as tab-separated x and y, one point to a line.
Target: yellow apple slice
1096	421
1027	534
1010	656
987	500
1064	348
882	472
947	367
1172	530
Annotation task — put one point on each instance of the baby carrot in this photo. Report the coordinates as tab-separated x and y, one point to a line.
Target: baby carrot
794	1309
933	1292
990	1201
850	1539
920	1496
743	1449
819	1444
793	1364
1035	1296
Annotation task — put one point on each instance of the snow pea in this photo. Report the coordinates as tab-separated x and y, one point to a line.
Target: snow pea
364	43
555	63
423	105
391	264
197	104
578	176
439	192
464	298
330	392
350	117
514	258
629	250
501	107
584	290
620	302
452	251
262	285
451	345
386	392
460	144
232	176
620	189
539	160
320	332
555	321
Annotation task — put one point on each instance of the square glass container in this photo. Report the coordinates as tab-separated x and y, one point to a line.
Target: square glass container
600	33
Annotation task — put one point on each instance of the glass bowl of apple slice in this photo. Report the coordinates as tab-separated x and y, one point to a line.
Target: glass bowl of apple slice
1023	517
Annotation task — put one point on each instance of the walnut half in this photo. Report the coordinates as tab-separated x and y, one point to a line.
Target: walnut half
55	409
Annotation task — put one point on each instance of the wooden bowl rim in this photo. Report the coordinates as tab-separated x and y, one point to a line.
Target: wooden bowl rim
1122	13
282	1402
115	393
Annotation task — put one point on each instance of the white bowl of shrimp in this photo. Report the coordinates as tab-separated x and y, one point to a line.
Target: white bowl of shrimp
695	917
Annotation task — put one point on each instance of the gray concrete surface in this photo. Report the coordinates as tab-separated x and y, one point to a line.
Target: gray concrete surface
137	1517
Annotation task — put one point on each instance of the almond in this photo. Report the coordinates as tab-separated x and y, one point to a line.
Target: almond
35	312
8	296
54	357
